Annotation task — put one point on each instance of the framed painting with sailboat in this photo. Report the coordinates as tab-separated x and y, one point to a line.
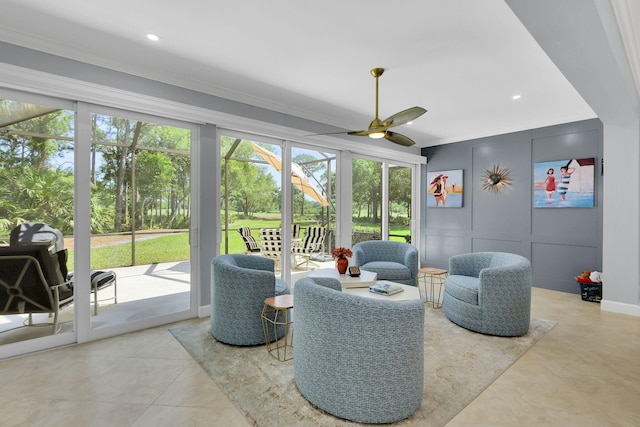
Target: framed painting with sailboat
565	183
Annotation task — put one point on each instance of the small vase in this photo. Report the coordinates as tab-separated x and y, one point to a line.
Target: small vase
341	264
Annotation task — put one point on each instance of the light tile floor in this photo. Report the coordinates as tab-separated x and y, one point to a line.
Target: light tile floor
585	372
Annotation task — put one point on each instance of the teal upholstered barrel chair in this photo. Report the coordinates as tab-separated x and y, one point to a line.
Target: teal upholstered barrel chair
489	292
358	358
391	260
239	285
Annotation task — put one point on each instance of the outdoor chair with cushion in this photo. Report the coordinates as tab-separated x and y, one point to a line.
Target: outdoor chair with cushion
313	244
31	281
295	231
39	233
360	359
250	243
393	261
239	285
489	292
271	244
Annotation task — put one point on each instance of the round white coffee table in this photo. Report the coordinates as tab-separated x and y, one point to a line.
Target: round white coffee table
360	285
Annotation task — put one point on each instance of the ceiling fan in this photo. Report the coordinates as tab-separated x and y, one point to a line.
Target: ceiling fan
380	128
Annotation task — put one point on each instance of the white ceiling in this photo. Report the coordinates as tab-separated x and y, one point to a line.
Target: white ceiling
462	60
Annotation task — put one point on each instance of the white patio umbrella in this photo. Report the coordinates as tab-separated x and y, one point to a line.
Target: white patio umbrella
298	178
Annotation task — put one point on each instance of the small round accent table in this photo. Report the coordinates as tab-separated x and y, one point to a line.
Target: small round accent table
276	313
433	276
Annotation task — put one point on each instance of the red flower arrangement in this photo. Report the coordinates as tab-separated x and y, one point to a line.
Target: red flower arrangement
341	253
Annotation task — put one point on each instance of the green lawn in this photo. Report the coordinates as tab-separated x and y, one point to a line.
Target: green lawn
236	245
175	247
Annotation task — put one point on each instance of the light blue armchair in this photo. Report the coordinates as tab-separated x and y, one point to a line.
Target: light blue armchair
489	292
394	261
239	286
358	358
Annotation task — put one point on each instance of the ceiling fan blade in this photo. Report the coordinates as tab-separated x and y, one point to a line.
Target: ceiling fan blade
363	132
327	133
399	139
379	129
403	117
367	132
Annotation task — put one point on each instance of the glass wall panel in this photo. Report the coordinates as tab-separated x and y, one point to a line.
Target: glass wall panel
400	203
251	198
140	218
313	184
366	200
378	186
36	176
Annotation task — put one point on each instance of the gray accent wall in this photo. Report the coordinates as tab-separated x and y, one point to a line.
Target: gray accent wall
559	242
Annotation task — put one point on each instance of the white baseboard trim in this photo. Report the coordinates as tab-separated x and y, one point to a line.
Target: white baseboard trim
618	307
204	311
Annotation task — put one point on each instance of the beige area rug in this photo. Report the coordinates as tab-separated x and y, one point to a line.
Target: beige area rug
459	365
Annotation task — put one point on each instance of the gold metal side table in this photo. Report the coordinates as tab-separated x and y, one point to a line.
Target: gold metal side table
433	276
277	312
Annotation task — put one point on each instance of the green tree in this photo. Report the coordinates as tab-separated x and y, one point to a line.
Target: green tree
33	187
42	196
163	168
400	188
251	187
155	174
33	142
367	187
311	168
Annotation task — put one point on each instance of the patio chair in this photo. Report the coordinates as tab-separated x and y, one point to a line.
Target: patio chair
39	233
295	235
271	241
313	245
249	241
31	281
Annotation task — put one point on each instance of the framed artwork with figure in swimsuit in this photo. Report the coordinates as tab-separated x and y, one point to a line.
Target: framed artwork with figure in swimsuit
445	189
564	183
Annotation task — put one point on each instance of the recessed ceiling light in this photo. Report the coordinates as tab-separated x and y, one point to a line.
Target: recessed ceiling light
409	123
516	96
153	37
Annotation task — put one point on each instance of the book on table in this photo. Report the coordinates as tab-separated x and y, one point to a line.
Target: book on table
385	288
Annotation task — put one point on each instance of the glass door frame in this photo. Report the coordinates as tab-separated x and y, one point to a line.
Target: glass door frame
286	200
415	196
290	145
63	338
82	257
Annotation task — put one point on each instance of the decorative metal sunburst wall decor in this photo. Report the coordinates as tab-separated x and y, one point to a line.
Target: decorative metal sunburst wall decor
496	179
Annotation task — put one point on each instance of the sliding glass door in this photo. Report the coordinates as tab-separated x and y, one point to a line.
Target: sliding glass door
400	209
313	208
366	193
140	217
382	200
36	207
251	197
291	220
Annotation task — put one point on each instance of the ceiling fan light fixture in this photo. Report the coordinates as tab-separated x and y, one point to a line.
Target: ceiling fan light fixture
379	129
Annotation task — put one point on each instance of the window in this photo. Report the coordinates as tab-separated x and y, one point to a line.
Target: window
37	175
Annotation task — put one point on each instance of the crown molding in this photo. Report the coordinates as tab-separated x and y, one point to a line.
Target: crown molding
624	15
65	88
